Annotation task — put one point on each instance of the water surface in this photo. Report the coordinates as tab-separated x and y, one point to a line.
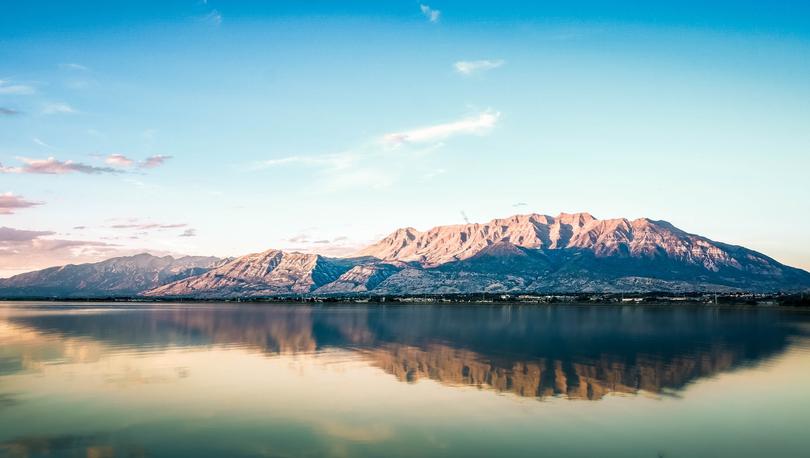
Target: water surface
104	380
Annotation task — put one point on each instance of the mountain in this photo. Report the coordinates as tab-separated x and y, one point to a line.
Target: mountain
640	238
122	276
270	273
575	253
569	253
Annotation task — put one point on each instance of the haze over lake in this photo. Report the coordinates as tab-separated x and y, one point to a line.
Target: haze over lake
112	379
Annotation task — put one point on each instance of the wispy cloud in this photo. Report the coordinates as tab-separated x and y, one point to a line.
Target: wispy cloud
381	161
8	111
340	170
7	88
469	67
8	234
336	246
475	125
58	108
335	161
123	161
9	203
53	166
23	250
148	226
431	14
154	161
520	204
214	18
299	238
73	66
189	233
42	143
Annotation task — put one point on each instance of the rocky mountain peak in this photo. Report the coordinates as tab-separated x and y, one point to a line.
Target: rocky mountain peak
572	252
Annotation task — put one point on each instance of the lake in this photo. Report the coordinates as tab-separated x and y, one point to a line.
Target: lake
227	380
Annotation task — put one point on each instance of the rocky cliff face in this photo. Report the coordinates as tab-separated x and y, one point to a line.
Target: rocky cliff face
640	238
444	244
524	253
123	276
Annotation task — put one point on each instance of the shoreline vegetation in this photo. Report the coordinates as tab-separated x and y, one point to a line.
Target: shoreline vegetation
736	299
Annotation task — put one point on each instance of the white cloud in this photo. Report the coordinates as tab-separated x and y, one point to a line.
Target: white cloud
468	67
119	160
431	14
6	88
475	125
58	108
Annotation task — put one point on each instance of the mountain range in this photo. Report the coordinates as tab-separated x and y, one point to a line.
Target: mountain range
533	253
122	276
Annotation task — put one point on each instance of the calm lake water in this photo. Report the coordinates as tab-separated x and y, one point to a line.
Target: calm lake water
104	380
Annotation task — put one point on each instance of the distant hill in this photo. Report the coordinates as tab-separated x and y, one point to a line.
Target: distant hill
122	276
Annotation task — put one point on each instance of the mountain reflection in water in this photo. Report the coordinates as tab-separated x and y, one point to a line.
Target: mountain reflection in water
574	352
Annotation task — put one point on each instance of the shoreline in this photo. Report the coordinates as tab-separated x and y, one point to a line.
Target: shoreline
758	300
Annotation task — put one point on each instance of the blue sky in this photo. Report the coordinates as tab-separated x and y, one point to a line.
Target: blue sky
232	127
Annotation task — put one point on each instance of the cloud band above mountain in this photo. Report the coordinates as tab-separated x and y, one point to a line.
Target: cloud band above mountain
474	125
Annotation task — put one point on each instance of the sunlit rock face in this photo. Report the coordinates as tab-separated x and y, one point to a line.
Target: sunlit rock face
640	238
569	253
272	272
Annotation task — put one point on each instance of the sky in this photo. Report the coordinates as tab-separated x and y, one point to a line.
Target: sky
225	128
